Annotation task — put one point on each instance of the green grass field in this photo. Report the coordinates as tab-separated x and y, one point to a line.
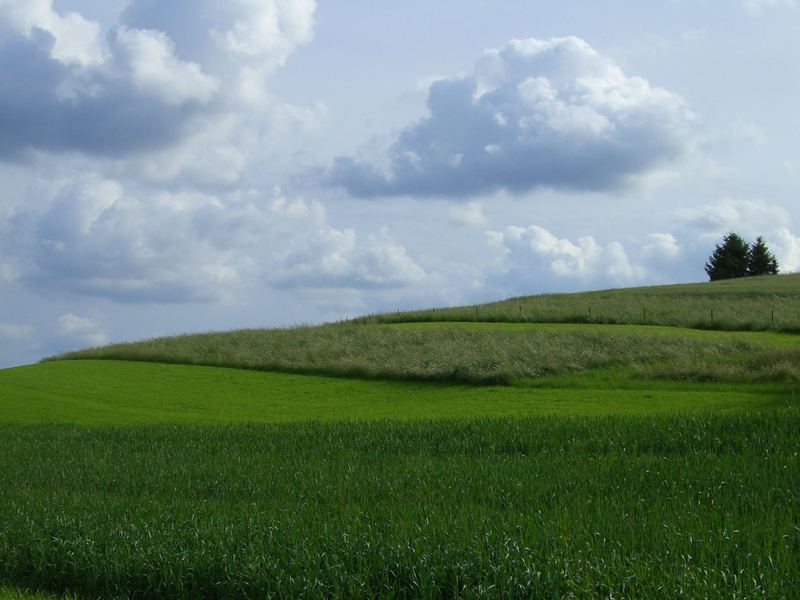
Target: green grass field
114	392
644	507
401	457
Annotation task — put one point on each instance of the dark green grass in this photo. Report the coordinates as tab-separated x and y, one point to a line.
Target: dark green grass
667	507
111	392
751	303
16	594
476	355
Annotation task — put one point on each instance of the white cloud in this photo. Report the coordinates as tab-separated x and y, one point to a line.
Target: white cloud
241	40
81	329
535	113
661	246
181	84
470	214
533	259
748	217
266	32
335	259
96	239
76	41
787	250
99	239
156	70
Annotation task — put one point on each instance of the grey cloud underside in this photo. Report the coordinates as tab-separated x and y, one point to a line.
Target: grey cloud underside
560	117
111	121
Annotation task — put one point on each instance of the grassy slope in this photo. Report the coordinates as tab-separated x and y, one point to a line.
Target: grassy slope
469	354
737	304
614	505
459	350
112	392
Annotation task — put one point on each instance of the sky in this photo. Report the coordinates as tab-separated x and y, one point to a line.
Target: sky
192	165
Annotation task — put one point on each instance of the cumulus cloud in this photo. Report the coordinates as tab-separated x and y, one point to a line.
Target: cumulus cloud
249	38
535	113
95	238
48	102
74	39
166	73
533	259
661	246
335	259
155	70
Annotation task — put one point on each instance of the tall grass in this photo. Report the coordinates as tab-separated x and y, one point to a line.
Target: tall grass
469	356
705	506
751	303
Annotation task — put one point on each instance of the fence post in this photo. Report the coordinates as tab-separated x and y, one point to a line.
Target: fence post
590	313
644	314
773	318
712	316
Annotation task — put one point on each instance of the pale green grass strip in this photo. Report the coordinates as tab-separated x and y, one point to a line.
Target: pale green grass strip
770	338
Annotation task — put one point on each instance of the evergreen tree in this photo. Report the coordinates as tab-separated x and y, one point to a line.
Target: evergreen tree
760	261
730	258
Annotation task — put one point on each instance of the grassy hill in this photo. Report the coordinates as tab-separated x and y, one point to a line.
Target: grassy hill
455	454
516	339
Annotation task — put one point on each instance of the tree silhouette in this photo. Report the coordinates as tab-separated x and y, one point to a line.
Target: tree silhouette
760	261
729	259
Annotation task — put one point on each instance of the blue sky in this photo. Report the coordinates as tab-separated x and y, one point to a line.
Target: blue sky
195	165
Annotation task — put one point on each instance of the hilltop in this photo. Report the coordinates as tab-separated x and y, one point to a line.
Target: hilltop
746	304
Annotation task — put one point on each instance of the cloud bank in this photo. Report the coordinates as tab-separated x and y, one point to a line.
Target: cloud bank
97	239
532	259
535	113
165	72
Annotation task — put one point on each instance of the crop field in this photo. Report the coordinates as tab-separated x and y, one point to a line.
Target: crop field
398	456
546	507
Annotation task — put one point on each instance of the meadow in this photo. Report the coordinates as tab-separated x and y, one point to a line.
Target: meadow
424	454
